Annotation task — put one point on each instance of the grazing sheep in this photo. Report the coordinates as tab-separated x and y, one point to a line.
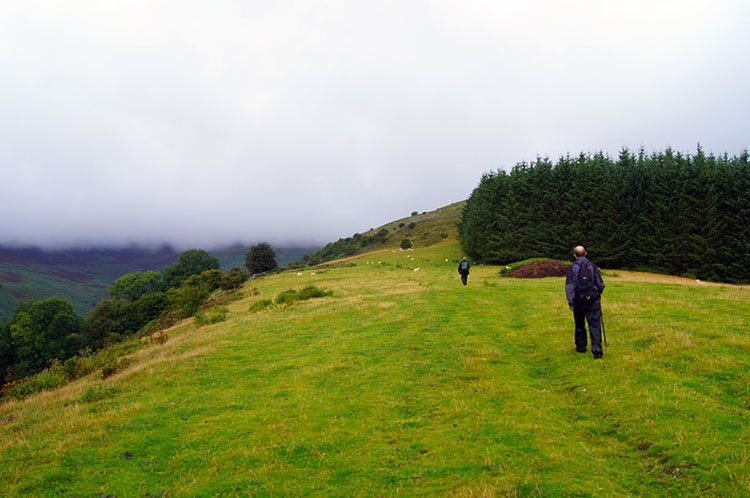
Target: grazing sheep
299	274
416	270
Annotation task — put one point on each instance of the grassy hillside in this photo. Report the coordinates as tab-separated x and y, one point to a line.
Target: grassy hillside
422	230
406	383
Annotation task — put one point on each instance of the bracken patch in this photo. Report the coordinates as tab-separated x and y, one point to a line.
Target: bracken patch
539	269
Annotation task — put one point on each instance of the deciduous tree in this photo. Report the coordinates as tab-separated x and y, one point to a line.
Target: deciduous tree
260	258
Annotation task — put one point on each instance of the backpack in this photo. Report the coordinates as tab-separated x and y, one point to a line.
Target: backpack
464	265
586	290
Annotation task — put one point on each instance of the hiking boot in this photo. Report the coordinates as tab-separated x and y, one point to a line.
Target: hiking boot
598	354
579	350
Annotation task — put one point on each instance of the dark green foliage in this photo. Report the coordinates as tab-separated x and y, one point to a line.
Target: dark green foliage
406	244
187	299
290	296
382	233
260	258
212	278
666	212
113	319
311	292
233	279
133	285
106	322
260	305
6	350
191	262
42	330
212	315
287	297
114	365
412	225
49	378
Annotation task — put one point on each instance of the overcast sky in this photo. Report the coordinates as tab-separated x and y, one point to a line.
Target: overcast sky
203	123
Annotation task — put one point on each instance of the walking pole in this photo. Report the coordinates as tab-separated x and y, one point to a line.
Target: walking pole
601	319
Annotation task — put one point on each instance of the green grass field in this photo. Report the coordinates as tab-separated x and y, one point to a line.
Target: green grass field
406	383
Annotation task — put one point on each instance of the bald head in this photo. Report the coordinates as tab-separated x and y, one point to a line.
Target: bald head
579	252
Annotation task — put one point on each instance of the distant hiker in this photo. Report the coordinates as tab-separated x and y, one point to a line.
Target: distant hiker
583	288
463	269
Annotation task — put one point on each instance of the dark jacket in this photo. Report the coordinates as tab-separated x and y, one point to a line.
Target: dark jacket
571	280
466	271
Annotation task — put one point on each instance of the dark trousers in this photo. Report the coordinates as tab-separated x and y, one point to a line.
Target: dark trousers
464	276
592	315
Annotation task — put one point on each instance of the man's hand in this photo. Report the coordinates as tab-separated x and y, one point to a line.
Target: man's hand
572	308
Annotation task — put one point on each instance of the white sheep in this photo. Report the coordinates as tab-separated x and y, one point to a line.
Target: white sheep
312	274
416	270
299	274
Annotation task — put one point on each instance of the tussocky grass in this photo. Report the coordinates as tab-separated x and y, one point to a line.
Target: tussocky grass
407	383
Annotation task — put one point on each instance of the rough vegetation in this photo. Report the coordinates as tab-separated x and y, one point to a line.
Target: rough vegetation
539	269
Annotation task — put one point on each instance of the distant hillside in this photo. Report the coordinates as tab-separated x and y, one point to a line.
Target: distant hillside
422	230
82	276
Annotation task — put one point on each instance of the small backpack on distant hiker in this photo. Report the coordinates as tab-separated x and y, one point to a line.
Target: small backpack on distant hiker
586	290
464	266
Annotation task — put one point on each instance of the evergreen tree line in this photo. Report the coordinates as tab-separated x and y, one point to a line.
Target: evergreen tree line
50	330
665	212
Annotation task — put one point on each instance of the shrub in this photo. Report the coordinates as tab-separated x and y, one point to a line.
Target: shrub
98	392
114	365
382	233
287	297
405	244
233	279
401	225
213	315
414	213
260	305
188	298
78	366
213	278
166	320
412	225
311	291
50	378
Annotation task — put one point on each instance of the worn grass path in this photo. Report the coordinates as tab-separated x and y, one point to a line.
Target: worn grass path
407	383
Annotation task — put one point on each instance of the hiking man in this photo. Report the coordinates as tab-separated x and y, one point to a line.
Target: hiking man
583	288
463	269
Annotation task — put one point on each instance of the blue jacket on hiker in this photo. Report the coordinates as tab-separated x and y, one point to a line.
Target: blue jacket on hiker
571	280
464	270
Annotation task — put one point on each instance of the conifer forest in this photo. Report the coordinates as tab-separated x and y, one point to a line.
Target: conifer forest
666	212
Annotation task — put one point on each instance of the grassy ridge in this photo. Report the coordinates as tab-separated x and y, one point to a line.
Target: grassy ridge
406	383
